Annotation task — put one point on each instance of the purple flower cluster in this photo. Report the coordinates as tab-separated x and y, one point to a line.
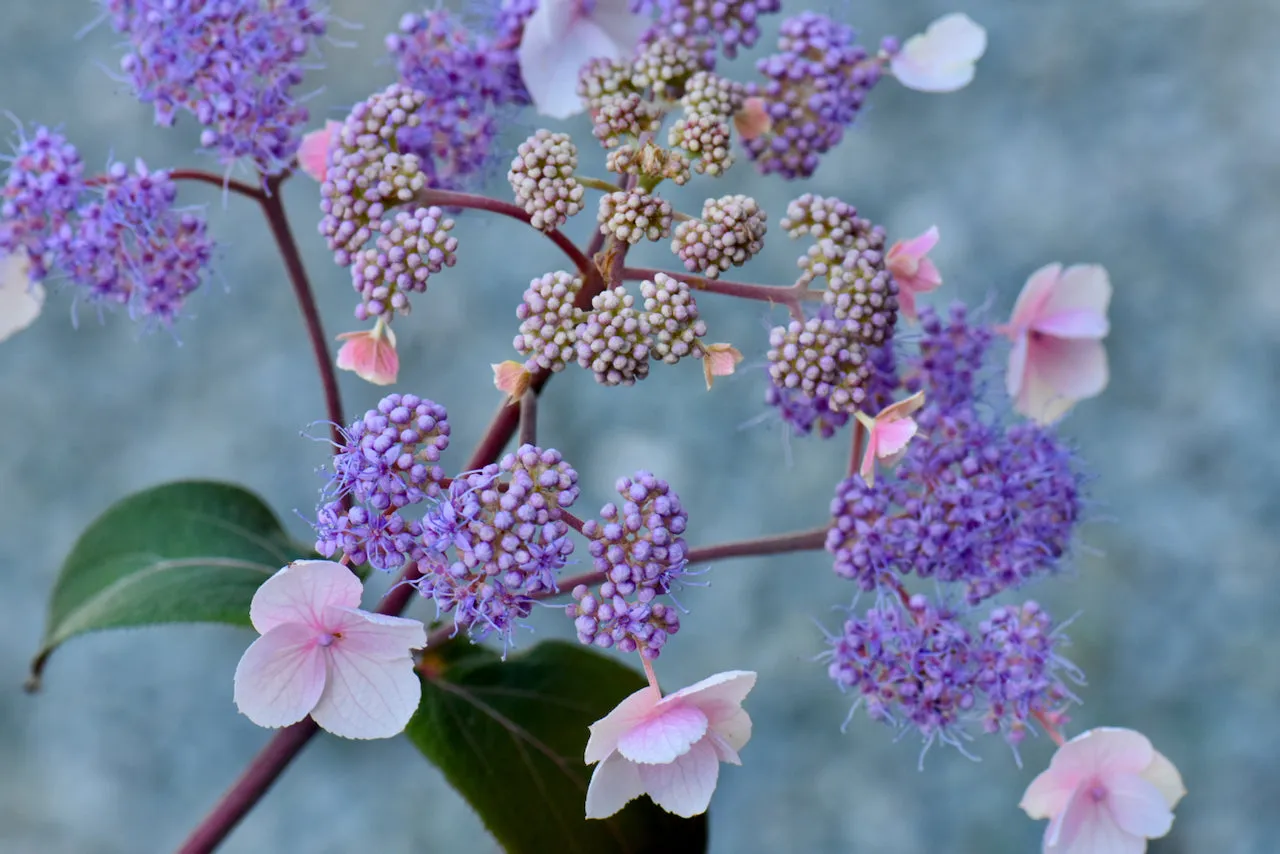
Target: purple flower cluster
704	25
917	665
976	504
806	415
816	85
639	549
118	239
465	78
389	460
497	540
231	64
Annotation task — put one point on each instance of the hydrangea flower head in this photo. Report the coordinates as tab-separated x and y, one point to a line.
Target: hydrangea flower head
1106	791
320	655
669	748
21	299
1057	328
942	58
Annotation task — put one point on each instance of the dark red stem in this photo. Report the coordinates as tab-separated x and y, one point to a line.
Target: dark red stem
234	186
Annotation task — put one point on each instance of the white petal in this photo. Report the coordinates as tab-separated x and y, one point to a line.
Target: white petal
684	787
665	735
371	692
1081	286
606	731
553	51
1162	774
720	697
614	784
941	58
301	592
376	635
623	26
20	298
1137	806
280	677
1086	827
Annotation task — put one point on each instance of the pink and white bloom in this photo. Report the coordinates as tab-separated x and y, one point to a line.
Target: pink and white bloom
1107	791
720	360
561	36
511	377
21	299
371	354
1057	328
320	655
915	273
668	747
888	434
941	59
313	151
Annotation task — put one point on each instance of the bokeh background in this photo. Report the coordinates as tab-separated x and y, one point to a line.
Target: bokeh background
1140	134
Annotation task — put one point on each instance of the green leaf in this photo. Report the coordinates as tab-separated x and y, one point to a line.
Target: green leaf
510	736
185	552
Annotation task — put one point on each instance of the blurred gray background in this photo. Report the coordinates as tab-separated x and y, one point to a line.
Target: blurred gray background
1140	134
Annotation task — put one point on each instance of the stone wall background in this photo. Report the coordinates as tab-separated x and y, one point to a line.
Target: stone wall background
1141	134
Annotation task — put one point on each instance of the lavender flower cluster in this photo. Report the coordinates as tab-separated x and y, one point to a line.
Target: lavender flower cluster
118	239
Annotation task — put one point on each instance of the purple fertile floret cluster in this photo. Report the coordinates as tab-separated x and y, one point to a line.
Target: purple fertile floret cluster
232	64
704	26
816	86
118	240
639	549
466	79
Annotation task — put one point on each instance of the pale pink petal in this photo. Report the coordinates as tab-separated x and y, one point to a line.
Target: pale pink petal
720	699
1137	806
606	731
623	26
867	468
1016	376
668	733
1081	286
941	59
1103	750
1164	776
907	302
511	377
720	360
281	676
301	592
371	354
918	246
20	298
555	46
368	694
684	787
753	119
892	436
927	277
1060	372
614	784
902	408
375	635
1072	323
1048	793
1086	827
313	151
725	750
1035	293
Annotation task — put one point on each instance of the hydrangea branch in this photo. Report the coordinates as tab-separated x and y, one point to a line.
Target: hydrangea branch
230	184
791	296
528	420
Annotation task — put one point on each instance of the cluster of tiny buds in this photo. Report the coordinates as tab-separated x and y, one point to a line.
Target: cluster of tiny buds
639	549
613	339
632	216
706	139
408	249
548	328
820	359
672	315
542	176
623	117
664	68
708	94
729	234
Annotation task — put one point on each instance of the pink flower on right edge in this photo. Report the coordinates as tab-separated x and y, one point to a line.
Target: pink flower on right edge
1057	328
1107	791
668	747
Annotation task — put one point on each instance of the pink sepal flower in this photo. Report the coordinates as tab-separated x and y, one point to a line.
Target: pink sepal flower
511	377
941	59
21	299
313	151
670	747
915	273
753	119
720	360
1057	328
888	435
1106	791
320	655
561	36
371	354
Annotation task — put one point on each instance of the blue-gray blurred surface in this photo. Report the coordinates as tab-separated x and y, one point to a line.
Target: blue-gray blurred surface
1140	134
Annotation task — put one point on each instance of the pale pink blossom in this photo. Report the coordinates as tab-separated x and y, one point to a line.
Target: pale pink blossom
320	655
1107	791
670	747
370	354
941	59
753	119
720	360
313	151
1057	328
915	273
888	434
20	298
511	377
561	36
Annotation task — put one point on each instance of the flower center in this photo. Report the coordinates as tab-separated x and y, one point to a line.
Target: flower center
327	639
1097	792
